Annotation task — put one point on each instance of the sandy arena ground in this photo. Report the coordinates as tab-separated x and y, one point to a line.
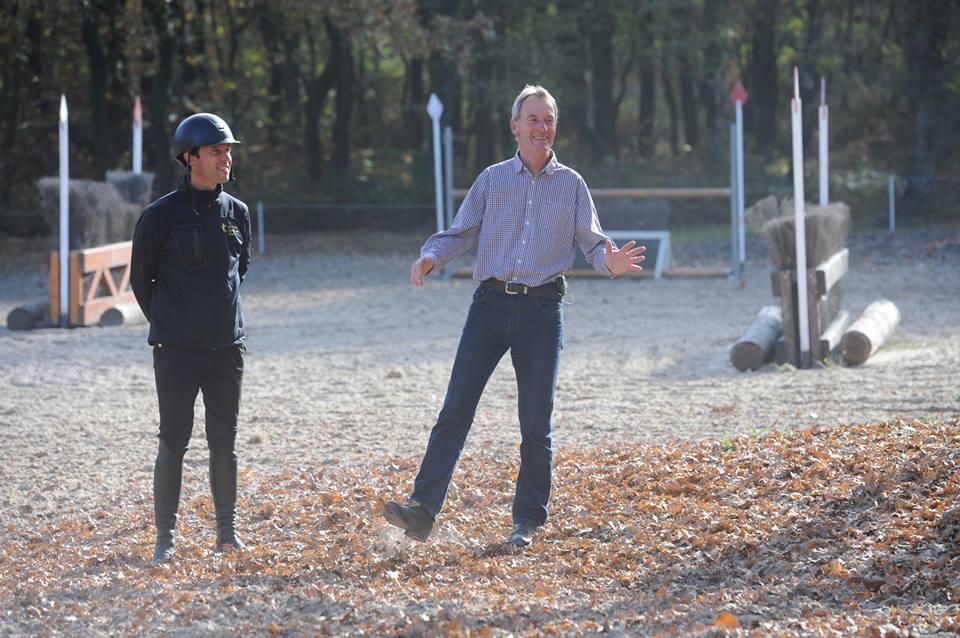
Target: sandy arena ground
348	363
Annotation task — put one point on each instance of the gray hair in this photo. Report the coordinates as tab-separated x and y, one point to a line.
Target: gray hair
528	90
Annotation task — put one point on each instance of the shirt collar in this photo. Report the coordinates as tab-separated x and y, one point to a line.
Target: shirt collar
548	168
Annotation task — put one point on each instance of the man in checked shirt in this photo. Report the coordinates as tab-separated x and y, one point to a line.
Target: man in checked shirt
528	214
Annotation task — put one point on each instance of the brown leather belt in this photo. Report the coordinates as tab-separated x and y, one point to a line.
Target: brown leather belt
548	290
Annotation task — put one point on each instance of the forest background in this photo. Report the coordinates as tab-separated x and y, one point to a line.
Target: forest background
329	96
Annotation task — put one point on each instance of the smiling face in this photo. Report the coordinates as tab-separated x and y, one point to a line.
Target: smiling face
535	129
211	166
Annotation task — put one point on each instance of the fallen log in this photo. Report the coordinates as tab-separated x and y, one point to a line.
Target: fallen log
29	316
831	337
756	345
870	331
124	314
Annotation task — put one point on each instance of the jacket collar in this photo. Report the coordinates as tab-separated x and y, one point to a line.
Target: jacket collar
184	185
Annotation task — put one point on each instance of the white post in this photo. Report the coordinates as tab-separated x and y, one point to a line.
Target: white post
137	136
824	167
64	214
891	205
260	238
435	110
448	172
742	237
734	235
803	320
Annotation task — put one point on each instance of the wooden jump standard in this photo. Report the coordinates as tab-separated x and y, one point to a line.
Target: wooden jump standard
827	321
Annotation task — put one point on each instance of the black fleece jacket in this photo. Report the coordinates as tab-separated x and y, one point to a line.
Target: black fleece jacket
191	250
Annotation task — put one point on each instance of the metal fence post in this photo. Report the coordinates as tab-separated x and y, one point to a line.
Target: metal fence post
891	204
260	238
448	166
734	234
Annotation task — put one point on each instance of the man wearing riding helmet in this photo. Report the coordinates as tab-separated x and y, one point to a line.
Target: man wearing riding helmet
191	250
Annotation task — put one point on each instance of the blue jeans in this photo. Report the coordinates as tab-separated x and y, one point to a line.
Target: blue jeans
531	328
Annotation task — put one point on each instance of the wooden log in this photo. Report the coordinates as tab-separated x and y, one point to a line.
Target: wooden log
756	345
870	331
29	316
125	314
830	338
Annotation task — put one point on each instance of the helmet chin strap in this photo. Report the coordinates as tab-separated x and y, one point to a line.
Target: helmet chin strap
193	192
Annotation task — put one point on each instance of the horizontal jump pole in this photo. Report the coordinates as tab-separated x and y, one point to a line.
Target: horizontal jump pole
645	193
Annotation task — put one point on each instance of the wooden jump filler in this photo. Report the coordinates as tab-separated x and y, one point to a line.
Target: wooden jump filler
99	279
826	319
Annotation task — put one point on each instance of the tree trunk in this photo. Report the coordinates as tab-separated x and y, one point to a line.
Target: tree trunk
343	106
688	101
481	115
712	89
317	90
646	145
196	74
158	97
809	80
925	35
103	43
415	103
762	107
602	26
445	82
272	32
666	77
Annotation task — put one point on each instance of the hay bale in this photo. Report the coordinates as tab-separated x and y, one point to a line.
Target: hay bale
136	188
99	215
826	229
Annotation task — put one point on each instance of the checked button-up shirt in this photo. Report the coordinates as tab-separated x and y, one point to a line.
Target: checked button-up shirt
528	226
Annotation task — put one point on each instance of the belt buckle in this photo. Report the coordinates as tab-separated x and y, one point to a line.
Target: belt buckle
520	288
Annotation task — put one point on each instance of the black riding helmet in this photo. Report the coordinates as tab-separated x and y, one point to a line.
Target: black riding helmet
201	129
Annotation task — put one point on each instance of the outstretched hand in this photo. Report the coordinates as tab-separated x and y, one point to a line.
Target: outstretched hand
623	260
420	269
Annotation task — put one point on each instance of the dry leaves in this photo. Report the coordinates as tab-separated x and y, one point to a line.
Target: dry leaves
828	531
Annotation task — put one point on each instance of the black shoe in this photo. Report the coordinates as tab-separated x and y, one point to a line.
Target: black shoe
233	543
414	518
522	535
162	552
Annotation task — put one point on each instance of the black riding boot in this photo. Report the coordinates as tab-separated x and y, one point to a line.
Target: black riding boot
167	477
223	485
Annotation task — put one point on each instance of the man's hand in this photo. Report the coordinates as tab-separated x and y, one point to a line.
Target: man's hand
420	269
627	258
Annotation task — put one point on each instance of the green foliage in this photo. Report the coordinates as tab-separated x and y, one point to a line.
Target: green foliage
305	83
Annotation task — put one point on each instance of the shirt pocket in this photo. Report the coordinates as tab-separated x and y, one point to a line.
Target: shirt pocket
188	240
